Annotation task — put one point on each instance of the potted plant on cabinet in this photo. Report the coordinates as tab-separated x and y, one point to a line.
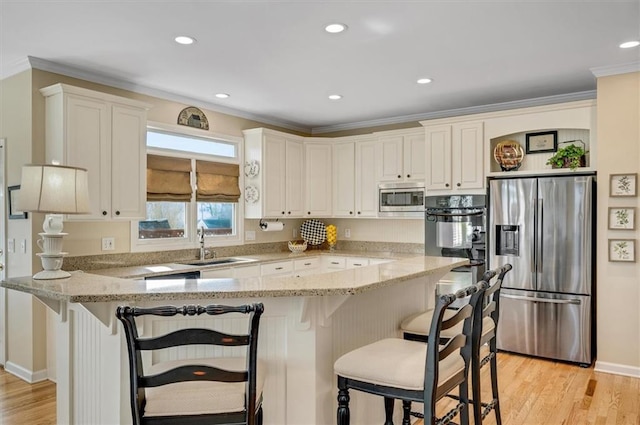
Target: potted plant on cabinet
571	156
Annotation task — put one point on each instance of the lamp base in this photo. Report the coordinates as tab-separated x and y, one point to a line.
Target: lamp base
51	274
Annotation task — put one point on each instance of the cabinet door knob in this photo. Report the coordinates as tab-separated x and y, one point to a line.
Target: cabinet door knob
408	175
117	212
309	212
358	212
399	176
458	184
282	212
289	212
446	185
104	213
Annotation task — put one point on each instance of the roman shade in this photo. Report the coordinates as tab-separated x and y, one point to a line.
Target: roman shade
217	182
168	179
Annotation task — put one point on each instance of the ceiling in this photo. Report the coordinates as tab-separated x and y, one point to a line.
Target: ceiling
278	64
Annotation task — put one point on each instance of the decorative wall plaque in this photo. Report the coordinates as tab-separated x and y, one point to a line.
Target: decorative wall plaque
193	117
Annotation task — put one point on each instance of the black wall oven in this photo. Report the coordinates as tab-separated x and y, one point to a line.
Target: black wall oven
455	227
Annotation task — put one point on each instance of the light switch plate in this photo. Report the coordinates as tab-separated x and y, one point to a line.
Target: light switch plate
250	235
347	233
108	244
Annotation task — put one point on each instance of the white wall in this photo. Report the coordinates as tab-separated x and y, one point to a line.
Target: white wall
618	297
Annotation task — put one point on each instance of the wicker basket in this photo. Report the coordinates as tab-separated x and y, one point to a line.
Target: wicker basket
297	246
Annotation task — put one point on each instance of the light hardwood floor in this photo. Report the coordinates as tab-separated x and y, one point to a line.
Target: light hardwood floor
22	403
532	392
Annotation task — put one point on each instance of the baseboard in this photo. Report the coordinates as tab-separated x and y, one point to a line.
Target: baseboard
25	374
617	369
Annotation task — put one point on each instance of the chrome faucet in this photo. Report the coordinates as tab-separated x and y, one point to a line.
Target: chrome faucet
203	252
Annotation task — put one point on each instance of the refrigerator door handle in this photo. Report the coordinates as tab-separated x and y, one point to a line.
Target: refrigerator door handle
539	260
541	300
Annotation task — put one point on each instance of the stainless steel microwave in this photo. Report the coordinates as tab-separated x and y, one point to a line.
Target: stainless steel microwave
401	199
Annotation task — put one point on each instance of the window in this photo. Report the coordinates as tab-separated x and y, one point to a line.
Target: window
192	183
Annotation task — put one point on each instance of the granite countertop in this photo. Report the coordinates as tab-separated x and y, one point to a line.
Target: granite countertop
84	287
135	272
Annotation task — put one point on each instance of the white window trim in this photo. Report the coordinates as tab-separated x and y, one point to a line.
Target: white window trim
191	241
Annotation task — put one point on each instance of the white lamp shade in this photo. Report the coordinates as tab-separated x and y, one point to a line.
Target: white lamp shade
54	189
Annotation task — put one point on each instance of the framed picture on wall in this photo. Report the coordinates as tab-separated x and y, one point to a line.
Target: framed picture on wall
622	250
623	184
546	141
622	218
14	212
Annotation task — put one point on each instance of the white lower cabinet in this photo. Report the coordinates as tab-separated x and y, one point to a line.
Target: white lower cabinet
352	262
226	273
306	266
331	262
300	267
278	268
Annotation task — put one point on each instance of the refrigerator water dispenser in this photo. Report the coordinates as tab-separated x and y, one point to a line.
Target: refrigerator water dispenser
507	240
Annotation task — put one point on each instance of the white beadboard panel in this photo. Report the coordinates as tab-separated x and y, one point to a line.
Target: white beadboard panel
271	349
371	317
538	161
90	380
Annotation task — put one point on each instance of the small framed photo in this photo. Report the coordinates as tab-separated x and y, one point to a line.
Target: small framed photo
622	218
14	212
622	250
546	141
623	184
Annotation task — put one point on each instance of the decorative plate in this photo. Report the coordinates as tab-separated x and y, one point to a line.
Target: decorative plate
252	168
313	232
251	194
193	117
509	155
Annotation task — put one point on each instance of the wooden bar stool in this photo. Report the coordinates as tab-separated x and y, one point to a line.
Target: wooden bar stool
485	322
215	390
411	371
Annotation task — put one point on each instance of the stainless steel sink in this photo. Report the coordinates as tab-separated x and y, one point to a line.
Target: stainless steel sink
219	261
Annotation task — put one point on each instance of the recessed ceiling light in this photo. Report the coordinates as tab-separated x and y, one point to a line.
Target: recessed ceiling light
222	95
424	80
335	28
184	39
335	96
630	44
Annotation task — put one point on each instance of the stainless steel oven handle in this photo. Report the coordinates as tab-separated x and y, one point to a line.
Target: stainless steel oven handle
541	300
470	214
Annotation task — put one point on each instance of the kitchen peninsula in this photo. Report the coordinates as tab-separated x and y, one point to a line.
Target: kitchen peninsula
309	321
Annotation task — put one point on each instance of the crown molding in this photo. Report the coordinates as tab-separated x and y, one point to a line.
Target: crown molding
472	110
49	66
14	68
609	70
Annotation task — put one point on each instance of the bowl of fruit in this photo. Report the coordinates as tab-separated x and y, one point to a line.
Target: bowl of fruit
297	246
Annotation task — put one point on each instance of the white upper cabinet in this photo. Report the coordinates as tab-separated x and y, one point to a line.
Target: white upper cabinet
318	160
355	178
344	179
402	156
366	193
454	157
105	134
277	191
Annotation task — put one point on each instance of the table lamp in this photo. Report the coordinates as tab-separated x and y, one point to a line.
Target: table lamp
54	190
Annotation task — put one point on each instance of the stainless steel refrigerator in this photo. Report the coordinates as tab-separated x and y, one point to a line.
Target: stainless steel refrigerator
544	227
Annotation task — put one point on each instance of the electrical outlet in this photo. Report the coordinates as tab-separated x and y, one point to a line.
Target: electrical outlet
108	244
11	245
347	233
295	233
250	235
23	246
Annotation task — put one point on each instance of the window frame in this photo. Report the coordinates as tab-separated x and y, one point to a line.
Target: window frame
191	239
